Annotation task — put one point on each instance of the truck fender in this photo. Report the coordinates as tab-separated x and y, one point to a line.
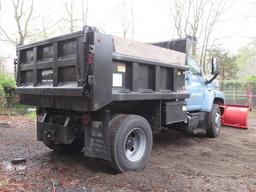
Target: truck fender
210	96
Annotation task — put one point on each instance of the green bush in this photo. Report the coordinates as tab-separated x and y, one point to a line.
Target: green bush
7	85
252	78
2	97
7	81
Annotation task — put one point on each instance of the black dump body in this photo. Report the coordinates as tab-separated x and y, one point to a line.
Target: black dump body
87	70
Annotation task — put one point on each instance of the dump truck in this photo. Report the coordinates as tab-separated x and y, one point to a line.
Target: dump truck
107	96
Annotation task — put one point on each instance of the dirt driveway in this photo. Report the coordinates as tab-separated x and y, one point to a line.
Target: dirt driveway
179	162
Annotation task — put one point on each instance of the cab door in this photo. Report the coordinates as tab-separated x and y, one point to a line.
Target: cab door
195	84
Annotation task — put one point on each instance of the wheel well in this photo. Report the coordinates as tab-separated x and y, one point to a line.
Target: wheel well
220	102
150	110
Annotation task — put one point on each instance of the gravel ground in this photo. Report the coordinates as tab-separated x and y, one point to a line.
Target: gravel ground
179	162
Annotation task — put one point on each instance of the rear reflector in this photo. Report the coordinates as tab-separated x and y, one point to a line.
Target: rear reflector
85	119
90	59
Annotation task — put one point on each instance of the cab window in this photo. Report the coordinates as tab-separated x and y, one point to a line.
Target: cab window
193	66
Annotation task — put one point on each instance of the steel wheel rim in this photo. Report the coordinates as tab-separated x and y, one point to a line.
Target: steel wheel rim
217	121
135	145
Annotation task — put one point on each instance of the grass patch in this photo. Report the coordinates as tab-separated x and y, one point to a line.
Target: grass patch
15	110
31	116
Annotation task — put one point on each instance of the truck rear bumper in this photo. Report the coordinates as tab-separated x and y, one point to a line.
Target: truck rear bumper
54	91
71	103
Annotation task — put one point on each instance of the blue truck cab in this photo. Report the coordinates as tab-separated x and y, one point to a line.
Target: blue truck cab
204	105
203	93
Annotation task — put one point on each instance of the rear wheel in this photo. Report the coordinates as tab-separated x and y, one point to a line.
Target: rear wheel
130	142
76	146
214	122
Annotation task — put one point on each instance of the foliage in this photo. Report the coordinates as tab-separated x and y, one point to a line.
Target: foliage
7	83
246	62
19	109
31	115
228	64
16	109
244	55
2	97
251	78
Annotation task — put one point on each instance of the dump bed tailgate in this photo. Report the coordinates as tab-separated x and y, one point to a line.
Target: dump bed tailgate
52	67
65	72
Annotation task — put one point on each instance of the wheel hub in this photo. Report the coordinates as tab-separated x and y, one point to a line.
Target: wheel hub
130	143
217	121
135	145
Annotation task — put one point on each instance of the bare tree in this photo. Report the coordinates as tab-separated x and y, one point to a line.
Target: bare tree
72	19
197	18
22	19
198	13
187	16
213	16
177	14
132	20
44	28
126	13
124	18
85	11
49	27
69	8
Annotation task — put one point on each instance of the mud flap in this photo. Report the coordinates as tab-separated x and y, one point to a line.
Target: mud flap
96	138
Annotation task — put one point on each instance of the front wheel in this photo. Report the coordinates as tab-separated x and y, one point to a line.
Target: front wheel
130	142
214	122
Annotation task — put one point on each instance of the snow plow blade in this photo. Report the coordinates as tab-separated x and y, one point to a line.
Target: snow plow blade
236	116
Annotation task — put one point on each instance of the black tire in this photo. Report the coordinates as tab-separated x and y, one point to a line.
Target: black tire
76	146
130	142
214	122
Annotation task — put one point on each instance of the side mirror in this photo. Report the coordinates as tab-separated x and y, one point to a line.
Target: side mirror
215	65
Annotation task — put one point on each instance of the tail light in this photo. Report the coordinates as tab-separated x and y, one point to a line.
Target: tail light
85	119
